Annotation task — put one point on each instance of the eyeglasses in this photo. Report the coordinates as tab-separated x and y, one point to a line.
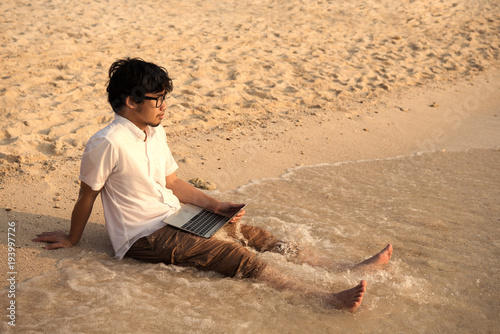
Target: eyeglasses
159	100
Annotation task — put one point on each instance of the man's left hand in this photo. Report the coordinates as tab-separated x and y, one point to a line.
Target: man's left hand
229	209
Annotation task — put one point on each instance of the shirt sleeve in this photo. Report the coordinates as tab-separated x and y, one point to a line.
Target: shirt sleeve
98	161
171	165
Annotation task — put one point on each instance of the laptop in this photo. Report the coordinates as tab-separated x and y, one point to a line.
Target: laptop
199	221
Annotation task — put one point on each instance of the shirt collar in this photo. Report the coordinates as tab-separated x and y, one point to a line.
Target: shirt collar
136	132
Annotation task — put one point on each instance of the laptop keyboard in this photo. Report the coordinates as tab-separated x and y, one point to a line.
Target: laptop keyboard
203	222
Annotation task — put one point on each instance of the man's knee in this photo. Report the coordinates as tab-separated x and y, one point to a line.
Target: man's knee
260	239
235	260
251	266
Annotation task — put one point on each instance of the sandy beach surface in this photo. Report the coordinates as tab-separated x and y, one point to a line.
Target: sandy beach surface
260	87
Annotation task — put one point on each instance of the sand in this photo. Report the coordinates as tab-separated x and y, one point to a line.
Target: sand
260	87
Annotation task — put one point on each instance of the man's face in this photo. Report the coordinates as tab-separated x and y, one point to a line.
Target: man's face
148	113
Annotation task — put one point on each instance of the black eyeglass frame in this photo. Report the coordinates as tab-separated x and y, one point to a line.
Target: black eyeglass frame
159	100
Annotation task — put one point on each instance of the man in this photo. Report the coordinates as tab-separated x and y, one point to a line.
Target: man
130	164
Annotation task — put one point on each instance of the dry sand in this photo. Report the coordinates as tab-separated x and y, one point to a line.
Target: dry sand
261	86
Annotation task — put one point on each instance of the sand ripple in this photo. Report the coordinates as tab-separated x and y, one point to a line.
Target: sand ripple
233	61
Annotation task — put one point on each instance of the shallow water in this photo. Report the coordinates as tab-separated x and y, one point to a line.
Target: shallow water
441	211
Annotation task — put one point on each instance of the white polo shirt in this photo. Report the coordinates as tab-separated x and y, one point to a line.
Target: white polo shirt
130	167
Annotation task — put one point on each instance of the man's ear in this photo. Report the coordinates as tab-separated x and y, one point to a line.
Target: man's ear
129	102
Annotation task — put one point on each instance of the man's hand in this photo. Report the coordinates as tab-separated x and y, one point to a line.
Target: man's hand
187	193
228	209
79	218
56	240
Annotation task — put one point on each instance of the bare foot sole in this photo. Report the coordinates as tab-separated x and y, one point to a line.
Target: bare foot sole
377	260
348	300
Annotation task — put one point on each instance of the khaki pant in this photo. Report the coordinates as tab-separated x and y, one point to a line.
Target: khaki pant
170	245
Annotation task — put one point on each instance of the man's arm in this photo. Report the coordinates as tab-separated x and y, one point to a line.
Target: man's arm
79	217
186	193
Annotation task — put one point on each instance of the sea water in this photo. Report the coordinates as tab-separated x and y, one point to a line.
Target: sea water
441	211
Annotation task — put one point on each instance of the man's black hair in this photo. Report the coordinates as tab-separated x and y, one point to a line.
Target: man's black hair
134	77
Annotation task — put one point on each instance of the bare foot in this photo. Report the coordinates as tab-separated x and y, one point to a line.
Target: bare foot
377	260
348	300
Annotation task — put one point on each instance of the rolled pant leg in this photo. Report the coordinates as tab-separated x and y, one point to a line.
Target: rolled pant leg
258	238
263	241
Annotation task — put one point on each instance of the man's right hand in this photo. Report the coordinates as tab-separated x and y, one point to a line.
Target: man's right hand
55	239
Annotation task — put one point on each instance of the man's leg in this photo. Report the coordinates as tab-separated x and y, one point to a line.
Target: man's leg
348	300
262	240
173	246
311	257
